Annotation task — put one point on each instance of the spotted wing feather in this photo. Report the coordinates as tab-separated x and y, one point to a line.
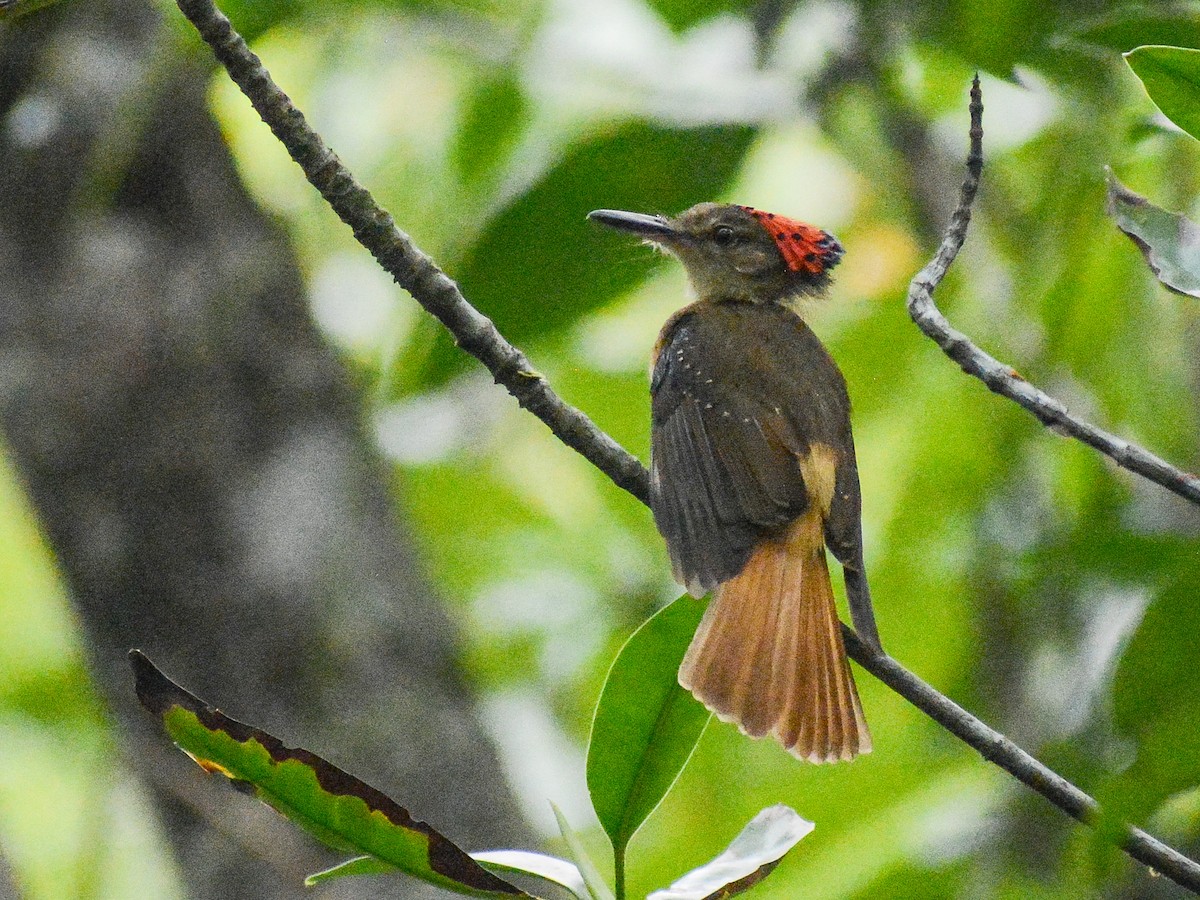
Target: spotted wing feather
724	468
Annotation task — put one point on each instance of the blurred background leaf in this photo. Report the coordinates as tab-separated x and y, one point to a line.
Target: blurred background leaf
538	267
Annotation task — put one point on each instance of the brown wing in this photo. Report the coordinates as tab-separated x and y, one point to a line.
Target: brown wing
739	394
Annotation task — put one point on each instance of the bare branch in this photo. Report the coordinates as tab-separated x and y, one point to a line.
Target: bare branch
996	748
1002	379
475	333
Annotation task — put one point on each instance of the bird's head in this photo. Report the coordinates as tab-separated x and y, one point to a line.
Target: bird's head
738	253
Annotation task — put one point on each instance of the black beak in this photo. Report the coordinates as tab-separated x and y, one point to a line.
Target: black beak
651	227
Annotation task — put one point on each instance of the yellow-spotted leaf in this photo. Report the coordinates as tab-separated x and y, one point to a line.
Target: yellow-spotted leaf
339	809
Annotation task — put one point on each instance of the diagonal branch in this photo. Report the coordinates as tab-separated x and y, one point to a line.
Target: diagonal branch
996	748
1002	379
395	251
413	270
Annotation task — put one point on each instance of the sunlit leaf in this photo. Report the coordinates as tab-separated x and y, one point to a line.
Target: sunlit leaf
331	804
646	725
253	17
1172	79
1170	242
749	859
540	865
597	887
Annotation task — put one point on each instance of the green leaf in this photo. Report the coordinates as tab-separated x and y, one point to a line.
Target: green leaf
538	266
1170	242
749	858
596	885
494	117
646	725
331	804
521	862
1156	703
1172	79
540	865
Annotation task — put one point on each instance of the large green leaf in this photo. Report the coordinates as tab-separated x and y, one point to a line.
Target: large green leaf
1172	79
1170	242
646	725
331	804
253	17
748	859
539	266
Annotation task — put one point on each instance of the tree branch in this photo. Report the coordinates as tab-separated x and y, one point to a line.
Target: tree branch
413	270
1002	379
996	748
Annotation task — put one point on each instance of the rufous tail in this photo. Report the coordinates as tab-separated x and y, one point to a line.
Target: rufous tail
769	656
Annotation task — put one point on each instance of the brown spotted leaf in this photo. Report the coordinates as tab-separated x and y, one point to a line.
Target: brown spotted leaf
1170	242
750	858
333	805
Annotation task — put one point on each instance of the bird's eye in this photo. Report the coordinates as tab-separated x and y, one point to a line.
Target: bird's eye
723	235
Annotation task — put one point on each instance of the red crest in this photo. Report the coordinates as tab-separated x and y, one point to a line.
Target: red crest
805	248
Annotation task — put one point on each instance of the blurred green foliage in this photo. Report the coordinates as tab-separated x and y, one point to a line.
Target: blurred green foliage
1035	582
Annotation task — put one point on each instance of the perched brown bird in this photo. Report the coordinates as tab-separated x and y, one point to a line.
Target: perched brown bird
752	474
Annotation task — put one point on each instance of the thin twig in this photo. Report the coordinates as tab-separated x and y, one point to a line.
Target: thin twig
1002	379
412	269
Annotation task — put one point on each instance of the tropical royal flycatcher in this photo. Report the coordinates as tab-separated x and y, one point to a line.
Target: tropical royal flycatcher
752	475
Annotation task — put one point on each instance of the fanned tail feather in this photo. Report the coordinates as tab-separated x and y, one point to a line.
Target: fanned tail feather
769	656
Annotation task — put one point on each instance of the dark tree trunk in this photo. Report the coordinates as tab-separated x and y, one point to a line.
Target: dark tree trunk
195	454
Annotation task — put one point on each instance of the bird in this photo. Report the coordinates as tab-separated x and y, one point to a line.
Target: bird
753	474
